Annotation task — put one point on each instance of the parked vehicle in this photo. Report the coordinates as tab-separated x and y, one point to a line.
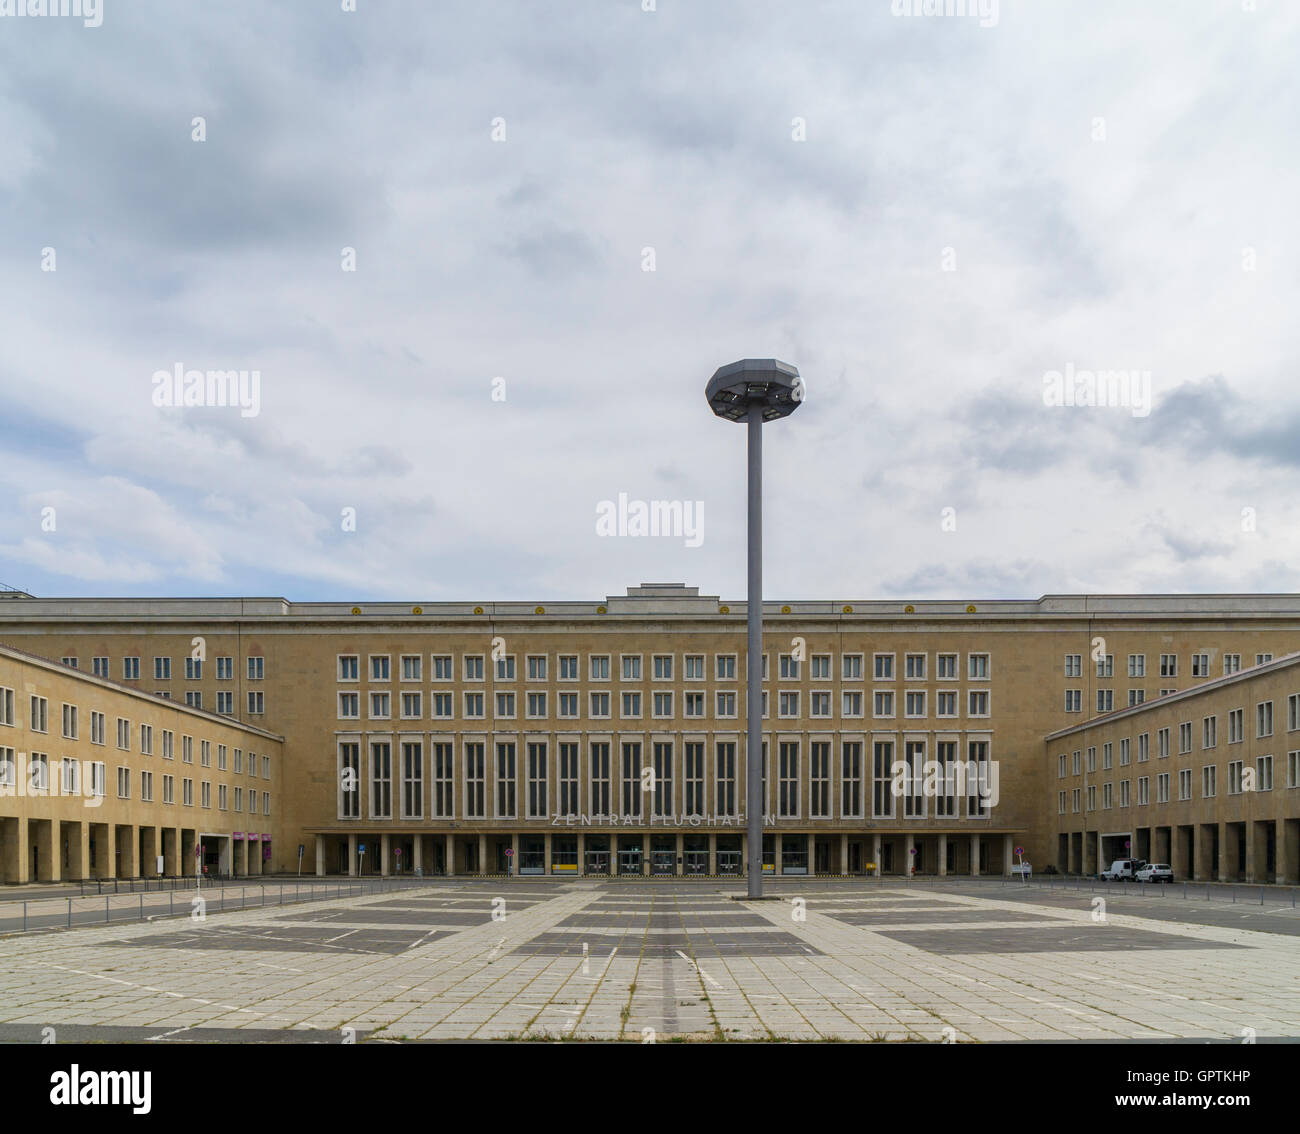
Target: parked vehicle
1155	872
1122	869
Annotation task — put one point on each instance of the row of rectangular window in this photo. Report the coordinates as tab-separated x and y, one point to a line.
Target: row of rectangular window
1137	664
162	668
662	667
442	705
647	779
38	721
1209	735
38	783
1240	781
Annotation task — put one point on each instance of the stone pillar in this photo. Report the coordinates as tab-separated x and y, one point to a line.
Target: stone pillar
1252	862
49	849
384	851
1285	852
875	852
582	853
417	853
1225	856
320	856
514	858
450	854
812	854
974	856
908	856
744	854
79	850
128	841
105	850
844	854
681	853
16	850
352	856
546	859
1008	850
713	855
943	856
171	844
482	854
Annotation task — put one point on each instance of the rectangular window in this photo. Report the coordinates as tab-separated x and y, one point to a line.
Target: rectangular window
819	779
1231	664
256	702
1136	696
349	782
788	704
1108	755
1209	732
1144	748
1137	665
130	669
978	667
412	706
600	705
505	670
851	667
412	779
598	760
631	667
221	758
851	703
598	664
631	705
1074	700
536	667
380	705
1073	665
1168	665
1209	781
568	667
663	667
146	787
505	705
348	667
567	785
851	779
1185	784
412	667
225	669
380	669
726	667
724	761
193	669
1106	665
882	703
1264	719
631	778
787	782
1236	726
98	728
146	740
1263	773
821	667
187	793
442	782
162	669
1105	700
568	705
506	779
226	702
1234	777
39	714
978	703
70	721
663	704
662	793
693	778
1162	787
443	669
694	703
256	668
473	667
474	706
205	793
882	779
194	698
537	760
536	705
1200	665
1091	756
726	704
475	780
381	779
1184	737
169	789
884	667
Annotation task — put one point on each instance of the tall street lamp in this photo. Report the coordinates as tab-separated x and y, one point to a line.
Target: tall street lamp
755	390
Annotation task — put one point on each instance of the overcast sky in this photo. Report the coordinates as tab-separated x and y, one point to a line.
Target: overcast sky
925	215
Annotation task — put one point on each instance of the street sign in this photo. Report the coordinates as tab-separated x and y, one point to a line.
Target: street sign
1020	850
510	851
361	847
301	850
397	851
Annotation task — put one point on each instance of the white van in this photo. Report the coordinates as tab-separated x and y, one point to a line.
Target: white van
1123	868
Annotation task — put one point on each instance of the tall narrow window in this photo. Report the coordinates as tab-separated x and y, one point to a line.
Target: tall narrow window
851	779
381	779
568	782
412	779
724	761
882	778
444	779
694	775
914	779
598	756
631	778
819	787
506	779
475	776
349	781
663	782
537	753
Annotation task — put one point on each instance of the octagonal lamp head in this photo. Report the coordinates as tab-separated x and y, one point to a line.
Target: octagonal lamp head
773	385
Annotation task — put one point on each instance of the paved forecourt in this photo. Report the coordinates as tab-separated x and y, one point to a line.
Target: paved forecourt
590	959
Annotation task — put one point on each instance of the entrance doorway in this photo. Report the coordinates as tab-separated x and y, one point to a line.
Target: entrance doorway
597	854
663	854
629	854
729	854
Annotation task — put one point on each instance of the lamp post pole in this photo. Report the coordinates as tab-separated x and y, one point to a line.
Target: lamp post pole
754	391
754	802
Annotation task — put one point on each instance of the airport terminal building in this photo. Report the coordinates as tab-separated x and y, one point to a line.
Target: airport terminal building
608	737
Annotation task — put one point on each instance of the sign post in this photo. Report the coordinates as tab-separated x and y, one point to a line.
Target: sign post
1020	854
301	849
510	855
361	864
198	861
397	854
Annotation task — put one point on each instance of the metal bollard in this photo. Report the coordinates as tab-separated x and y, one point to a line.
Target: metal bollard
69	913
24	917
105	909
142	905
171	901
